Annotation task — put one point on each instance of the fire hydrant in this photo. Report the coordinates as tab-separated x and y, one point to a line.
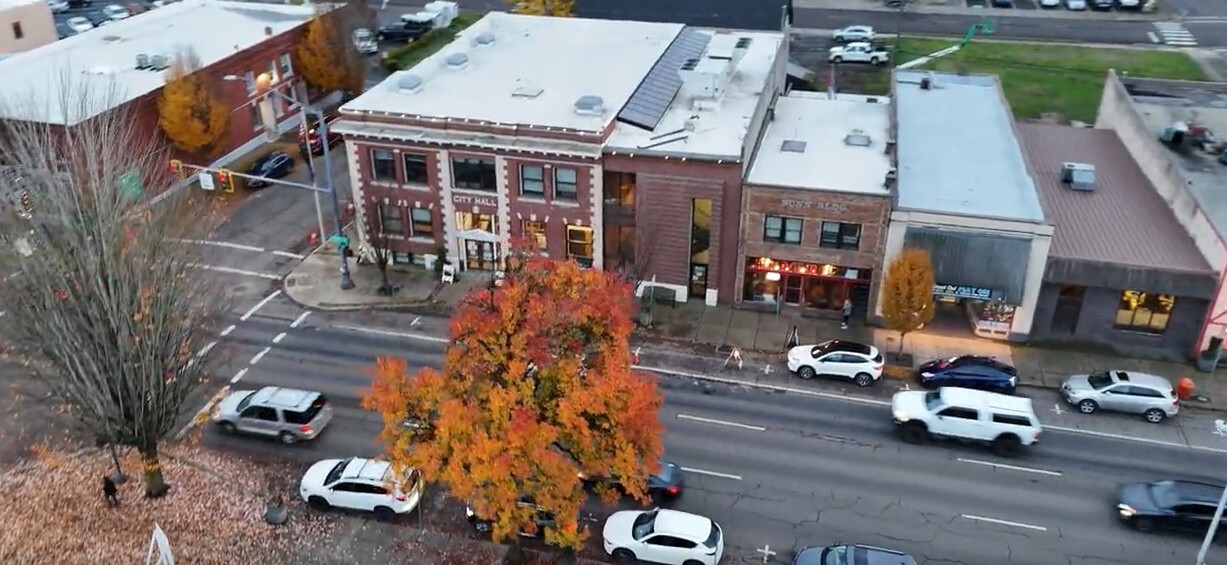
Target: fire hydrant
1184	388
314	239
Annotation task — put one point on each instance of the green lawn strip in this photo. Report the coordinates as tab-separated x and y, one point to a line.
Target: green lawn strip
1064	79
408	56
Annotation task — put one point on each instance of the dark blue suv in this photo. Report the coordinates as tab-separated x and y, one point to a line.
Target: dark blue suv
969	371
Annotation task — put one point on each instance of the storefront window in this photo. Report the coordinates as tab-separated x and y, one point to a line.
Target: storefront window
579	244
1144	312
801	284
993	315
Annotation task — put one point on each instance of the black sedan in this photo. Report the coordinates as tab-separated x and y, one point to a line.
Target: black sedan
666	484
1181	506
851	555
275	165
969	371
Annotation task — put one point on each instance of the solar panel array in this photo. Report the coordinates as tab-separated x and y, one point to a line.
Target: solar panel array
648	104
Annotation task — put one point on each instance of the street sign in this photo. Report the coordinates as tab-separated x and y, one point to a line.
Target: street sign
130	184
206	181
339	240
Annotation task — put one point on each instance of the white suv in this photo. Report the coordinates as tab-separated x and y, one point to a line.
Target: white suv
859	362
1007	423
663	536
361	484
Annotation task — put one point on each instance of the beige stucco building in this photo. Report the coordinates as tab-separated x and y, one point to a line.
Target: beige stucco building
25	25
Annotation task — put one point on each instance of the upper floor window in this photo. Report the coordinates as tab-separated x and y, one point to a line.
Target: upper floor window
287	66
421	223
18	33
566	184
390	220
249	79
534	232
416	169
837	235
272	71
383	166
474	174
782	229
532	180
579	244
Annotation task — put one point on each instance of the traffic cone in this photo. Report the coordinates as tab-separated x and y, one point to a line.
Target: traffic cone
314	239
635	357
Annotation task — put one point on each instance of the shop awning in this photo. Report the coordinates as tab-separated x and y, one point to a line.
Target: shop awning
976	260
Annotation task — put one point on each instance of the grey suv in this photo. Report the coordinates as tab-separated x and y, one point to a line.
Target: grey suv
290	415
1120	391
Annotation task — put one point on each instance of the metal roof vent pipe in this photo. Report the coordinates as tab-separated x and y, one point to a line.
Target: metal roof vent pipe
484	39
457	61
409	83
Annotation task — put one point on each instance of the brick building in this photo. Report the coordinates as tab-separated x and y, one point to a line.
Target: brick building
816	206
616	144
125	63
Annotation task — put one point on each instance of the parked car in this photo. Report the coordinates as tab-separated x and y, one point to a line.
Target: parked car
664	485
859	52
1129	4
1100	5
1050	3
364	41
79	3
361	484
542	519
853	33
1075	5
1185	506
855	554
1120	391
665	536
861	363
79	24
1007	423
57	6
313	140
1003	3
62	30
116	12
401	31
969	371
290	415
275	165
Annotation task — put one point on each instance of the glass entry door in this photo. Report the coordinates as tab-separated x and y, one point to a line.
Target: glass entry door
792	289
479	255
698	280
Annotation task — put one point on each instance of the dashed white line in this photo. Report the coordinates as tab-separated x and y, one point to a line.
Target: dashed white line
225	244
1011	467
260	355
228	329
206	349
711	473
391	333
234	271
1004	523
1135	439
299	320
260	305
288	254
279	337
239	375
720	422
1153	38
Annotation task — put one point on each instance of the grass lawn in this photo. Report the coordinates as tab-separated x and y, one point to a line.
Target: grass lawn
412	54
1064	79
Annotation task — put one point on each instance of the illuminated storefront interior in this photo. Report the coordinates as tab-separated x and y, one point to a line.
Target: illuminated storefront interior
808	285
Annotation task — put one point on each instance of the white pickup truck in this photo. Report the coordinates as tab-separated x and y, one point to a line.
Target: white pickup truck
859	52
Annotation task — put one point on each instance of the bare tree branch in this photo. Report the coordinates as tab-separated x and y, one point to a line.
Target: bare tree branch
110	306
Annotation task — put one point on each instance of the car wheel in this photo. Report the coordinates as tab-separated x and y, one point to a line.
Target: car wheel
1155	416
914	432
623	556
863	380
1088	406
1143	524
874	61
227	428
837	59
287	438
839	39
384	514
1007	445
318	503
692	562
807	372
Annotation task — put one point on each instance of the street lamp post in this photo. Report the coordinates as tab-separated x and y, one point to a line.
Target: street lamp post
263	82
1218	516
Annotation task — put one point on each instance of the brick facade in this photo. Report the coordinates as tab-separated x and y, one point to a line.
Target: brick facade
820	293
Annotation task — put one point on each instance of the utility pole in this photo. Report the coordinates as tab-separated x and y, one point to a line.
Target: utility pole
1218	516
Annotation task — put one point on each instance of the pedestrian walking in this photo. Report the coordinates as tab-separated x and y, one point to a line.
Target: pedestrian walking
110	491
847	313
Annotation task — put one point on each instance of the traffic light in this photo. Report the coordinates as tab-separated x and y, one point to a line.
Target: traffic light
225	179
176	166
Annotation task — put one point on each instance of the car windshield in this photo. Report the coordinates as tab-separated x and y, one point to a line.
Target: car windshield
362	35
335	473
932	399
644	525
245	402
713	537
667	472
1099	380
837	555
1163	493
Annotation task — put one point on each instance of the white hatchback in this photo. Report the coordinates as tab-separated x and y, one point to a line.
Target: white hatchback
663	536
861	363
853	33
360	484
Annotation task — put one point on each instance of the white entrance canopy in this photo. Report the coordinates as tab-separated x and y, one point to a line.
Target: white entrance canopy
479	235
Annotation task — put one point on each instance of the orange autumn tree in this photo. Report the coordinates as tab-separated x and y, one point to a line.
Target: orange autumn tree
536	388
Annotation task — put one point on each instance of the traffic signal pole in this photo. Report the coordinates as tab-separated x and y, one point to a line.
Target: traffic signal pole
199	169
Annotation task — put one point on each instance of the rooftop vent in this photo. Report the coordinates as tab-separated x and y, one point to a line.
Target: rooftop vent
159	62
590	105
792	146
484	38
111	39
690	64
526	90
409	83
857	138
457	61
744	42
1079	176
142	62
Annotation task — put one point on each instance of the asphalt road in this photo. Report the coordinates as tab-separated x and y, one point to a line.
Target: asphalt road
781	470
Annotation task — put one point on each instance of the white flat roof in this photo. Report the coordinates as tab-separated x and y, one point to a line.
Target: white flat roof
715	131
957	151
102	61
818	143
532	73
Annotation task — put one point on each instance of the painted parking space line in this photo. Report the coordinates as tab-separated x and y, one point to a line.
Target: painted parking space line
262	303
1010	467
1003	522
233	271
720	422
710	473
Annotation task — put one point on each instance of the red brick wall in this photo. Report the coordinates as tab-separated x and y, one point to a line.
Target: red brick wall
556	214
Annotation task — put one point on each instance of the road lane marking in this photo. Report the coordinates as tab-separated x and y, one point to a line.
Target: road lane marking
299	320
239	375
260	305
1010	467
1147	441
260	355
711	473
234	271
1004	522
287	254
1153	38
279	337
206	349
720	422
225	244
228	329
391	333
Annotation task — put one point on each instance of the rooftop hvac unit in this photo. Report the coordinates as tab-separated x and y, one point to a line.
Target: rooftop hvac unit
1079	176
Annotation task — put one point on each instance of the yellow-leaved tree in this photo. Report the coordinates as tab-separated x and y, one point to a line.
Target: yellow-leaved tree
556	8
326	57
190	112
907	292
